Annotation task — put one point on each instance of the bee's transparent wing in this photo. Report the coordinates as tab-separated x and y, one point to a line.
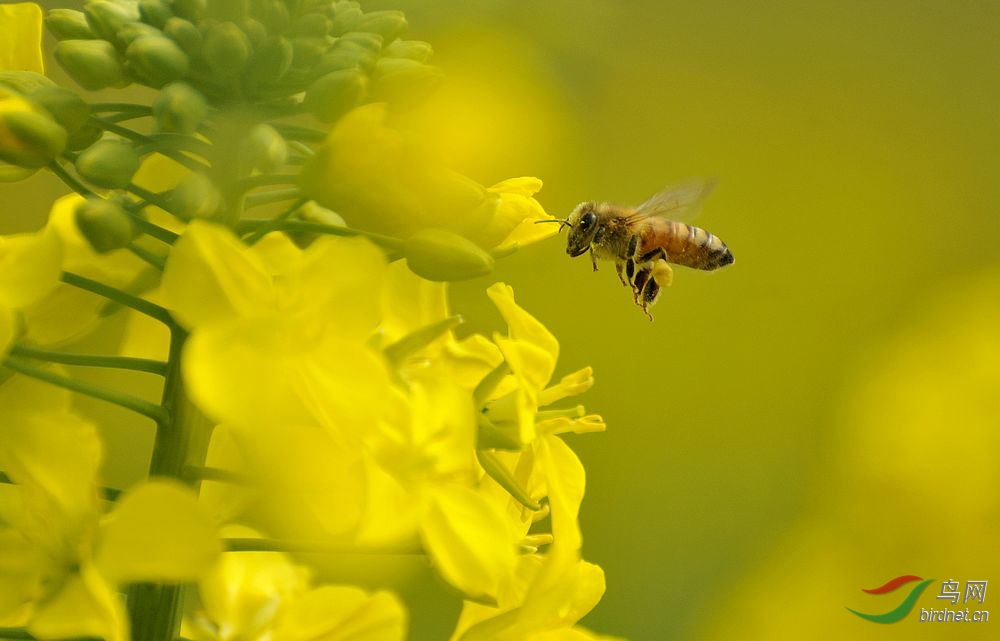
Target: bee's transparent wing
678	202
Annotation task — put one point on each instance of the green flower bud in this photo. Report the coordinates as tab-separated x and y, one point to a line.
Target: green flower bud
68	24
108	163
344	20
67	108
275	15
306	51
270	62
29	138
388	24
156	60
404	81
226	49
24	82
256	32
371	42
412	49
228	10
195	197
192	10
135	30
155	12
264	150
93	64
310	25
84	137
106	17
346	56
185	34
441	255
104	224
336	93
179	108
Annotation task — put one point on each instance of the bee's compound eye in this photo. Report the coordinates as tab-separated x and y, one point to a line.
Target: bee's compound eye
588	220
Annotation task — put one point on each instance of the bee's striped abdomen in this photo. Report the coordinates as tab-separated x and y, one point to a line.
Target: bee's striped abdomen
691	246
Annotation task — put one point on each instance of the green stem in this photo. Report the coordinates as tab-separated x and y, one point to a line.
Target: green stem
300	133
88	360
149	257
69	179
151	198
110	493
275	223
320	547
273	196
148	228
319	228
120	106
137	405
265	180
128	300
135	136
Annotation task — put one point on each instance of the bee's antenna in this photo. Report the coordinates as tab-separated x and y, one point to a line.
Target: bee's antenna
563	222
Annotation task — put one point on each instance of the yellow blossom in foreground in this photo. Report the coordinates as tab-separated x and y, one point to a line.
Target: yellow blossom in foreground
71	558
30	265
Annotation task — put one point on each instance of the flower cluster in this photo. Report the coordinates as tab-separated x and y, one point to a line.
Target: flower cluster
288	285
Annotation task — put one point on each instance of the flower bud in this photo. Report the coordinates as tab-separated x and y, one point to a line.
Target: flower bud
84	137
404	81
310	25
106	17
108	163
411	49
226	49
346	56
68	24
104	224
186	35
441	255
156	60
344	19
195	197
275	15
389	24
135	30
228	10
193	10
370	42
179	108
306	51
264	149
67	108
28	138
335	94
24	82
93	64
155	12
270	62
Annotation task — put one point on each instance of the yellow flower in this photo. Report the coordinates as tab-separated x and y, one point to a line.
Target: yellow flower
263	596
21	45
279	337
71	558
379	179
30	265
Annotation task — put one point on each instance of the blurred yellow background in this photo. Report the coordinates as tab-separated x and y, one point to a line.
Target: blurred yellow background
817	418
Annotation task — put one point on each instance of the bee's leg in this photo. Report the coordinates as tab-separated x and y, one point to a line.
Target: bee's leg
653	254
619	267
642	277
630	272
633	245
650	294
593	258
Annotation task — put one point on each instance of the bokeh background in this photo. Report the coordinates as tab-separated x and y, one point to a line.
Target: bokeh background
821	416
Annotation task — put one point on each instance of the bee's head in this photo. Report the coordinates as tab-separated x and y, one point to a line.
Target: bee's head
583	225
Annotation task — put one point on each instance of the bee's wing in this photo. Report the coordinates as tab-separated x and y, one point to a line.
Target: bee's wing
677	202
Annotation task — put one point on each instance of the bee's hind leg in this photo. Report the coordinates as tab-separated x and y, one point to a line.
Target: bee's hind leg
619	269
650	294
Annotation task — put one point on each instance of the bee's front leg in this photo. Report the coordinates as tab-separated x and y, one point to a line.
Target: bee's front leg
593	258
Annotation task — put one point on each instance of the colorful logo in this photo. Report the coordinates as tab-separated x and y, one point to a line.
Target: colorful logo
903	608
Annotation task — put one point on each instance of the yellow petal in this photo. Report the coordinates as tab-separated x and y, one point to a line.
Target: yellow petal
23	565
8	329
522	326
30	265
410	302
21	46
157	532
85	606
469	541
341	613
570	634
526	186
571	385
566	481
212	277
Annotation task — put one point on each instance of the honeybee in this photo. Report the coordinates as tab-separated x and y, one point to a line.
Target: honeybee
643	241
